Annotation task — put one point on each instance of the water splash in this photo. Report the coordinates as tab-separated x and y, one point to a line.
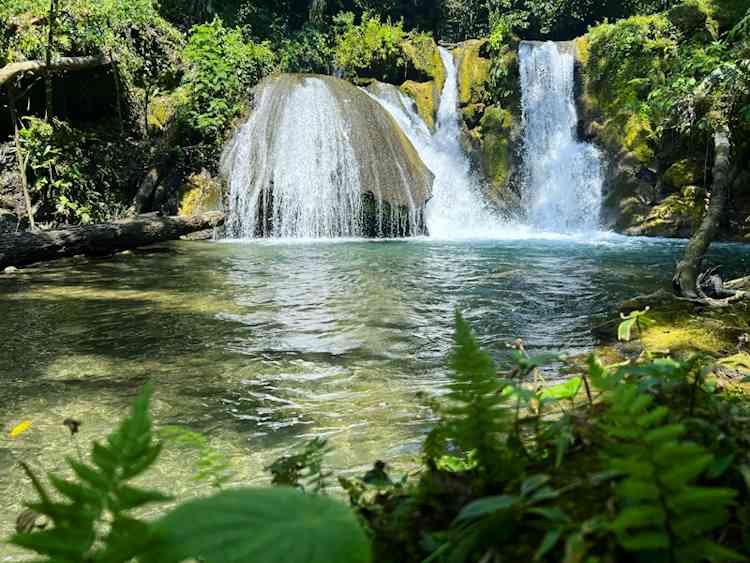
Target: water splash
562	176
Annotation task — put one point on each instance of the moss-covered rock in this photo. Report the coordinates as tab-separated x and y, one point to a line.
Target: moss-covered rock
473	71
683	173
496	149
201	193
688	17
161	111
427	98
677	215
422	54
491	114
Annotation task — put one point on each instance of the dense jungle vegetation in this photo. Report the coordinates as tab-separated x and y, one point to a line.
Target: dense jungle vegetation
166	80
112	108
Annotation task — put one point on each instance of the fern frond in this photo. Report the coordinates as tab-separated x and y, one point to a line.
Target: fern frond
101	489
663	508
477	417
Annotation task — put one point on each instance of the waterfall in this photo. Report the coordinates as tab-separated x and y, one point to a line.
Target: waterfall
318	158
457	208
562	176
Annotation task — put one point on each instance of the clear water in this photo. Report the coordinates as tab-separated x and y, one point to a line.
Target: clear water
562	176
262	345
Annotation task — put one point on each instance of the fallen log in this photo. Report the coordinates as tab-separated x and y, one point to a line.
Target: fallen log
21	249
63	64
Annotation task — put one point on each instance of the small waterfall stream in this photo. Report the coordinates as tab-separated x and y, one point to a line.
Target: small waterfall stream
457	208
563	177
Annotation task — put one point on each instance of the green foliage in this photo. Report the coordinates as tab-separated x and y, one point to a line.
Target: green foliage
272	525
101	493
662	508
309	50
211	464
222	68
371	49
652	467
303	470
59	160
636	319
477	414
485	526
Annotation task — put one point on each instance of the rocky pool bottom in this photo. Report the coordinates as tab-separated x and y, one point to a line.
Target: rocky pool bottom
261	346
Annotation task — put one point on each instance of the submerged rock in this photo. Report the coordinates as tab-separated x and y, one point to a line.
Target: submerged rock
321	158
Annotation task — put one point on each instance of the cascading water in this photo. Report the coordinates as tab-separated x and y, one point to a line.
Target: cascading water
457	208
562	176
320	159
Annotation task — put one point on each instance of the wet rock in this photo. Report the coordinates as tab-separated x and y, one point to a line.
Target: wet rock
684	173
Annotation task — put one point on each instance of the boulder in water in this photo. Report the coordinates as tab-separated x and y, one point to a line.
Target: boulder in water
319	158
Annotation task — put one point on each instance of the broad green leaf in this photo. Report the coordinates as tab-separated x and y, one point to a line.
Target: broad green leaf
553	514
624	331
533	483
645	541
564	391
638	517
279	525
487	505
548	543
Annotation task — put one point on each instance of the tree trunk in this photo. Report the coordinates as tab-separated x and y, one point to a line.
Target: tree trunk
48	58
64	64
20	249
686	276
146	190
22	162
118	93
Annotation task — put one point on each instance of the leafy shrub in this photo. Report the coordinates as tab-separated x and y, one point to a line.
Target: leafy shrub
662	508
222	68
303	470
652	468
101	494
94	521
308	50
60	161
371	49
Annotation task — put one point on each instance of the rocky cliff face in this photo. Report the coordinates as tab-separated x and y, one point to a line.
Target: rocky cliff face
656	185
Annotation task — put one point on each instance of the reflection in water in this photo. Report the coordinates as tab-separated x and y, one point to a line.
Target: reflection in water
262	345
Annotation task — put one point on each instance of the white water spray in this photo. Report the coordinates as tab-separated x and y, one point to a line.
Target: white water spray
562	176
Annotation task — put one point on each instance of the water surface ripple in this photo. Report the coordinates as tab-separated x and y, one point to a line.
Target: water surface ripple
262	345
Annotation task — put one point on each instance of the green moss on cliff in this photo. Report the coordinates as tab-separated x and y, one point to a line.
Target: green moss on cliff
425	96
684	173
423	54
677	215
473	71
496	126
620	62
